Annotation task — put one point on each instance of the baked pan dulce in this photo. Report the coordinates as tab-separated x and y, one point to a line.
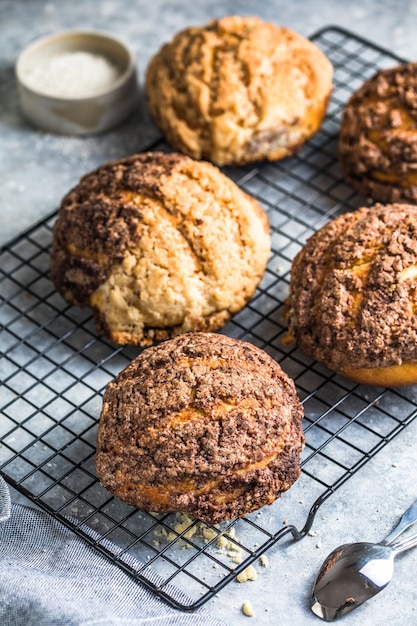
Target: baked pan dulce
201	424
158	244
378	136
353	299
238	90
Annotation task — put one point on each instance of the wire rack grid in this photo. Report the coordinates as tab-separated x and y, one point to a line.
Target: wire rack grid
54	369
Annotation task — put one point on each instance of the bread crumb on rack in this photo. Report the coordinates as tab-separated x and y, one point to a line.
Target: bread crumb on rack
248	574
225	541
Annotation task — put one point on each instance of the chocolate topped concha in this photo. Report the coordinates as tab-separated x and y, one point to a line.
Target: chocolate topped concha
353	297
200	424
378	136
238	90
158	244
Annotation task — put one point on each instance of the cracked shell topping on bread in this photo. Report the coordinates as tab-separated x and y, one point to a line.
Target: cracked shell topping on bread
158	244
201	424
238	90
353	300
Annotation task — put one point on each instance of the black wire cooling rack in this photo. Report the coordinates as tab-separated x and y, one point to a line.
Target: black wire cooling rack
54	370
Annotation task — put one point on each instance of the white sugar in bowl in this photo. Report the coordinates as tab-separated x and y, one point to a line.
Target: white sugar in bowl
77	82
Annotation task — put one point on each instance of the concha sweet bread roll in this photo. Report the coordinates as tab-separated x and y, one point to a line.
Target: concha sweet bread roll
200	424
238	90
158	244
353	299
378	136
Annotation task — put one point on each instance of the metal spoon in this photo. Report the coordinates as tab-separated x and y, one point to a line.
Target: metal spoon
355	572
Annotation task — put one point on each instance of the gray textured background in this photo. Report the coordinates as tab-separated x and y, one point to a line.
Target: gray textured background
37	169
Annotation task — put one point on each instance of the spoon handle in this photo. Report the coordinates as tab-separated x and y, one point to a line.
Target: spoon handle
408	519
405	544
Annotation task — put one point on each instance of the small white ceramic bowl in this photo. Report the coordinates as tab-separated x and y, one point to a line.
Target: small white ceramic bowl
89	107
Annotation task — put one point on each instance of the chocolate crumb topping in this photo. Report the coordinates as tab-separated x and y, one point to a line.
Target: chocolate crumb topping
158	244
378	136
200	424
353	300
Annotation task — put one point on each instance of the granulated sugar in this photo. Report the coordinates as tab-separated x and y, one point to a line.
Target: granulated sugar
72	75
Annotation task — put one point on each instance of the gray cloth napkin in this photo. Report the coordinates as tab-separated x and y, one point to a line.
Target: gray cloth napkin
51	577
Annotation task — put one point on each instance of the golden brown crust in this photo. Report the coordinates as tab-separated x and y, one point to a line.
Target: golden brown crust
378	136
201	424
158	244
353	302
238	90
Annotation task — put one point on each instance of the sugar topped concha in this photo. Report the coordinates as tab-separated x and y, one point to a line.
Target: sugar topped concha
158	244
201	424
238	90
353	298
378	136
